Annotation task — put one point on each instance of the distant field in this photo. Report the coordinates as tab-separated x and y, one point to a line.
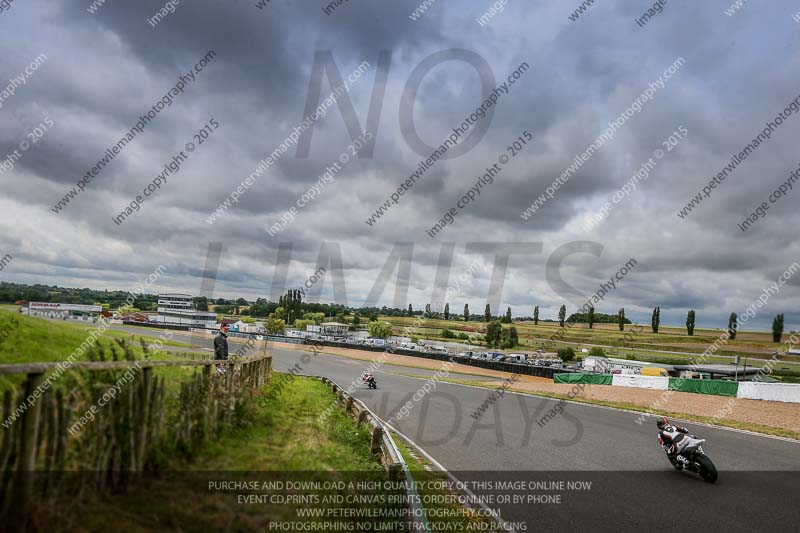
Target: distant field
636	340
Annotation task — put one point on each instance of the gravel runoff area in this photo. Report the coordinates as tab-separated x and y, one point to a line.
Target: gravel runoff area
779	415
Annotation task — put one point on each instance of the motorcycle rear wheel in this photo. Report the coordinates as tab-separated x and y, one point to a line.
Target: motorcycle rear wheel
707	469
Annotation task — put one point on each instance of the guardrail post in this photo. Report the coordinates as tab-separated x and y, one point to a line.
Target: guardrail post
377	439
362	416
23	482
396	472
348	404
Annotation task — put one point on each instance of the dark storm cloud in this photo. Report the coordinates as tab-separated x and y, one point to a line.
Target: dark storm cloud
106	69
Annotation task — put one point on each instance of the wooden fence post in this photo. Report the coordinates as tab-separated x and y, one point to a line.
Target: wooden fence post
23	483
144	417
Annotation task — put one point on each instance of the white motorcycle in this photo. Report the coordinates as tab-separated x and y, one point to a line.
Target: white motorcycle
693	459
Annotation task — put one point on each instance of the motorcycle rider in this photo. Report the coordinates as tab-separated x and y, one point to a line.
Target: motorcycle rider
673	439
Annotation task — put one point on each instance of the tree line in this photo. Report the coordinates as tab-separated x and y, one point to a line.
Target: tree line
292	304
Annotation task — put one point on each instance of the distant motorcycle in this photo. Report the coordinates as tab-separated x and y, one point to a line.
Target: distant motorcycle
693	459
369	379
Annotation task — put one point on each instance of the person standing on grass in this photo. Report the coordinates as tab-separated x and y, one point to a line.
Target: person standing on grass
221	347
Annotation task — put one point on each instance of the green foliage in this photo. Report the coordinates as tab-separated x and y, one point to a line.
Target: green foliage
487	314
733	325
380	330
466	312
599	318
292	302
200	303
590	318
536	316
275	326
621	319
316	318
566	354
777	328
690	322
509	338
415	339
301	324
447	334
597	351
11	292
493	331
507	317
447	311
655	320
410	310
127	309
562	313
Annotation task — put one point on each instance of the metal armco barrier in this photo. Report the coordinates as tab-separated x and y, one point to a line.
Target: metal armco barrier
384	447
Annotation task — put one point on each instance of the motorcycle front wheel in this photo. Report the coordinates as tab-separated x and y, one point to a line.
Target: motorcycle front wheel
707	469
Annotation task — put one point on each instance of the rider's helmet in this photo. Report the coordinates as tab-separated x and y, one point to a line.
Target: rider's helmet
662	421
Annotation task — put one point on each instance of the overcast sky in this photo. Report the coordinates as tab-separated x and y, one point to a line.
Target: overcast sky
104	70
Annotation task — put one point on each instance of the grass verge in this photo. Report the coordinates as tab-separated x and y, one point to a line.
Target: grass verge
282	437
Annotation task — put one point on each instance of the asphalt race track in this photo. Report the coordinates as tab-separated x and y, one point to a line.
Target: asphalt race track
633	485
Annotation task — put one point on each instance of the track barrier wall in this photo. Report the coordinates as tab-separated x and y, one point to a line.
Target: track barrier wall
750	390
775	392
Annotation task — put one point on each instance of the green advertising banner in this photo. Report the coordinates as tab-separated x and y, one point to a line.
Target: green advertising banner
704	386
593	379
